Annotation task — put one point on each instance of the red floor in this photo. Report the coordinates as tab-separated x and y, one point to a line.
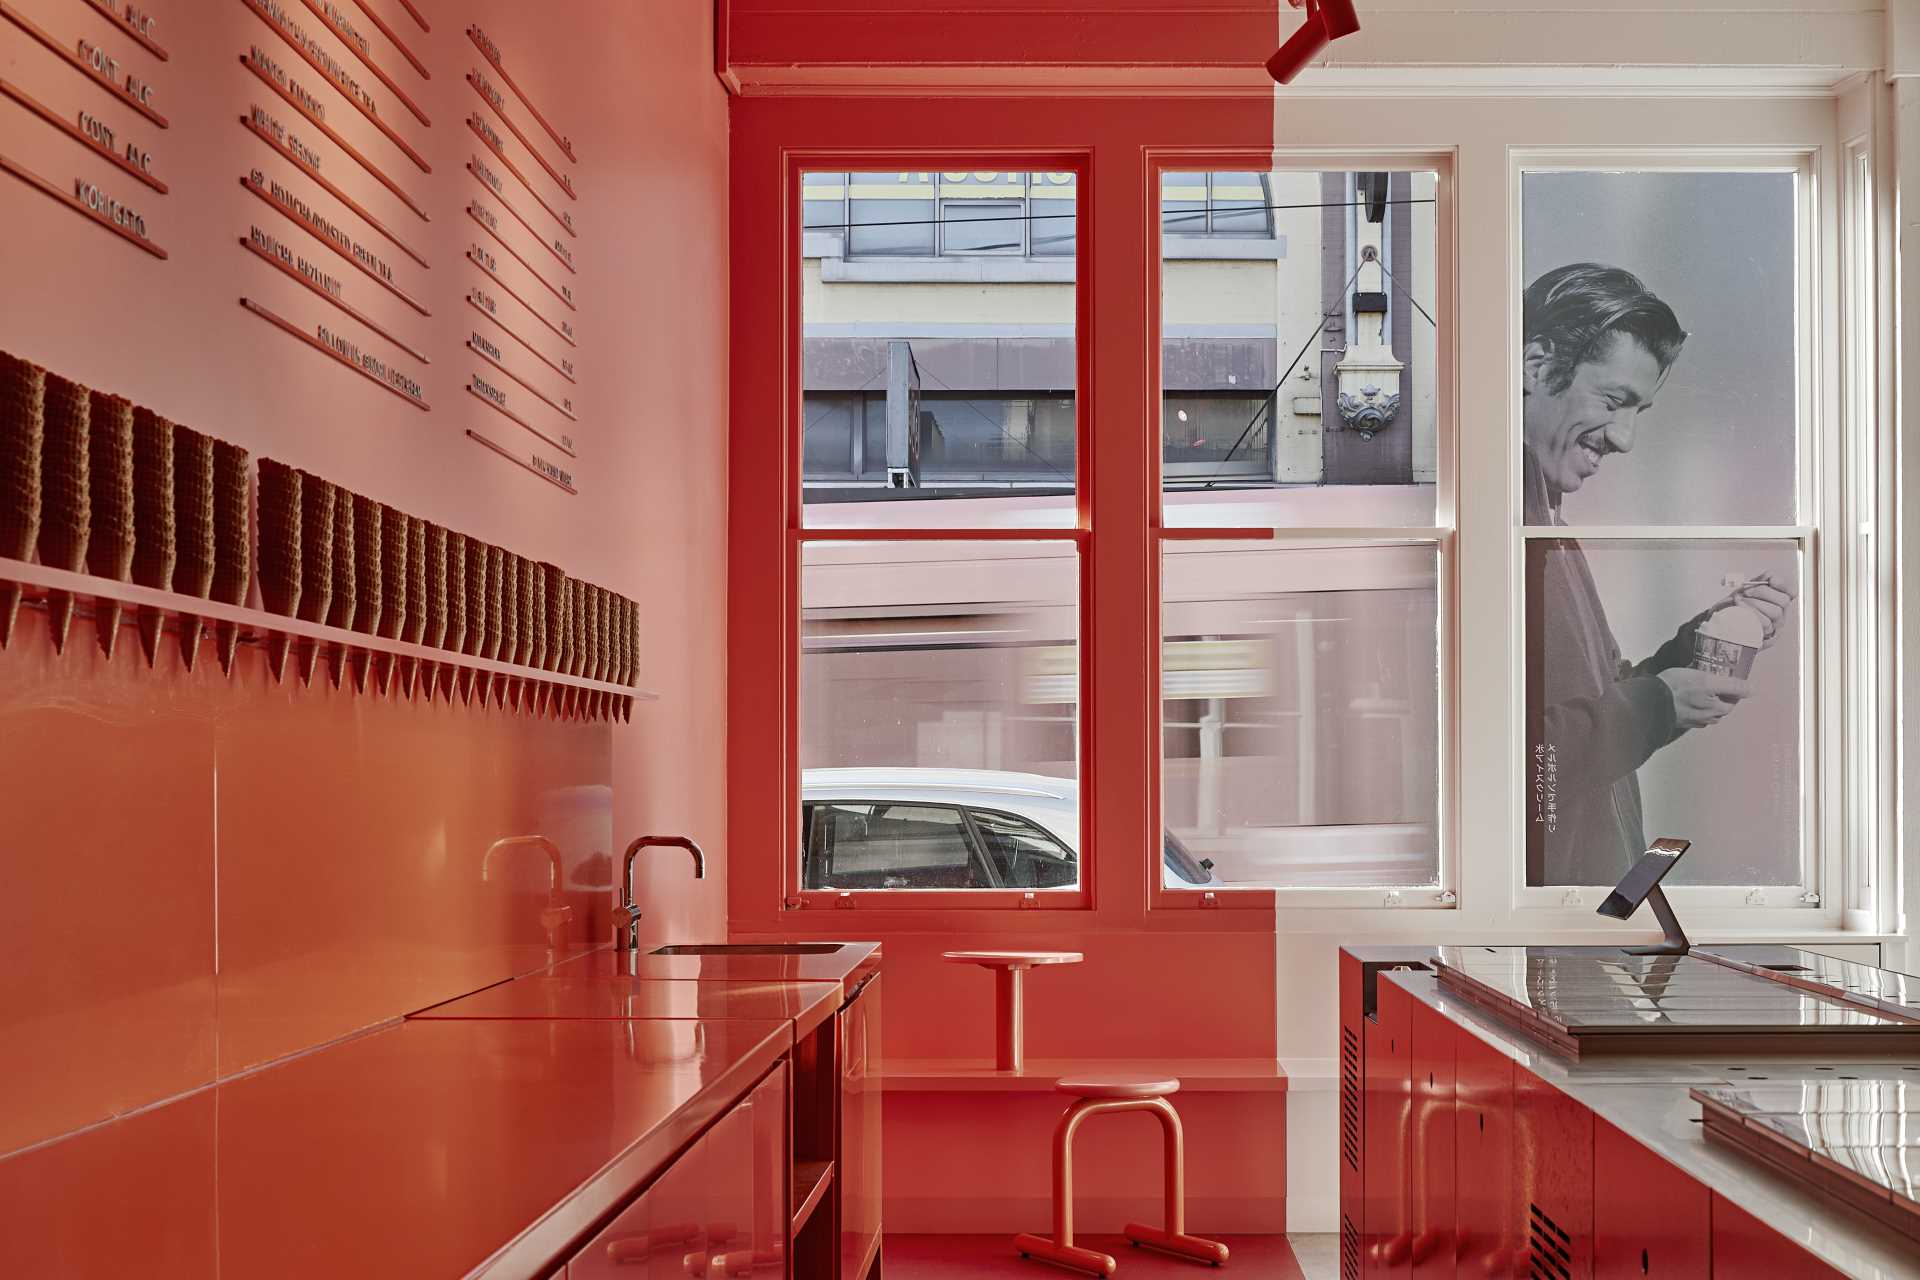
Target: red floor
982	1257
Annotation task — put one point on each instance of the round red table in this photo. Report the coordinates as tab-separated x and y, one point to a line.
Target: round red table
1009	972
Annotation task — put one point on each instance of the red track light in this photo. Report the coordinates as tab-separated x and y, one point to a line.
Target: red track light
1327	21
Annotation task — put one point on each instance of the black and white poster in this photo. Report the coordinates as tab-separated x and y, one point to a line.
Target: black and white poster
1658	369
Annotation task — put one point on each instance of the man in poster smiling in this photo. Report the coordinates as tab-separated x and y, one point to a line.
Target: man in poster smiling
1598	347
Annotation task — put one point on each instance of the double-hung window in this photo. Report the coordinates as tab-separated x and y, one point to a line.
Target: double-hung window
939	535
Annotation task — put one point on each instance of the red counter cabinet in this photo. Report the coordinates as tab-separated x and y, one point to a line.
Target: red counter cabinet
1457	1163
719	1210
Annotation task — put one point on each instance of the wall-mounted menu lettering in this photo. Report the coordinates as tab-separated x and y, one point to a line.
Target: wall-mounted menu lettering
320	59
563	406
357	46
98	65
304	143
346	352
103	138
90	200
317	54
93	133
493	98
262	123
263	63
505	260
327	283
290	90
283	138
548	471
317	280
329	233
492	141
134	22
492	54
491	226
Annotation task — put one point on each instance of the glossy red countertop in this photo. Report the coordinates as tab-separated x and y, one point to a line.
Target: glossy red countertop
849	966
565	993
438	1147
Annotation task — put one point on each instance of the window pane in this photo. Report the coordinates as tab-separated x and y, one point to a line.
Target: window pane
944	674
888	846
1659	356
1240	204
1663	699
983	226
822	201
891	215
1023	855
1183	204
1301	713
1323	344
962	345
826	435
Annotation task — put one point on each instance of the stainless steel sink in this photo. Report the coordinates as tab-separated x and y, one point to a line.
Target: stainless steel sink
750	949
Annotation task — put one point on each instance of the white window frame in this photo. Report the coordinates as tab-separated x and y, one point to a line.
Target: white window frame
1441	536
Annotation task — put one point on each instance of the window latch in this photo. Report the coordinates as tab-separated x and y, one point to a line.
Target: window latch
1028	901
1209	901
795	904
843	900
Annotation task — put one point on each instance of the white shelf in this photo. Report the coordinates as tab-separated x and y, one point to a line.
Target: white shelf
259	623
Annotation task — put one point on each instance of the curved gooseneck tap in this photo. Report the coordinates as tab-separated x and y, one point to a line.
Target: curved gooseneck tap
557	913
626	918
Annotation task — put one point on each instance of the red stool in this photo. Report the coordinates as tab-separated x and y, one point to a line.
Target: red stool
1113	1094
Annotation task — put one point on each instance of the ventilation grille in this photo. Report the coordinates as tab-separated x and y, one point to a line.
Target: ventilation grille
1350	1098
1549	1249
1349	1249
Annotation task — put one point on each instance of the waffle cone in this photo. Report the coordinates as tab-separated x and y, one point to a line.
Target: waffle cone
319	504
496	592
456	635
232	541
193	530
476	596
66	512
509	606
557	600
282	556
603	615
319	509
436	587
369	558
344	599
629	642
395	548
110	505
155	521
582	626
534	605
416	603
23	406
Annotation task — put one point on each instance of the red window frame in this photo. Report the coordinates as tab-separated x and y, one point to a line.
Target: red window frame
1117	147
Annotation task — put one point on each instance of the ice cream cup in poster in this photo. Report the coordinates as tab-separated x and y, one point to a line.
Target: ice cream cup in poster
1726	643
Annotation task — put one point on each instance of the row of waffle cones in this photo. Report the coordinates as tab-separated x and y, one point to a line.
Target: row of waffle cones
92	483
334	557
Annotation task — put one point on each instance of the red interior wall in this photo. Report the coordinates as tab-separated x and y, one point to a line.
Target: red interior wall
208	873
